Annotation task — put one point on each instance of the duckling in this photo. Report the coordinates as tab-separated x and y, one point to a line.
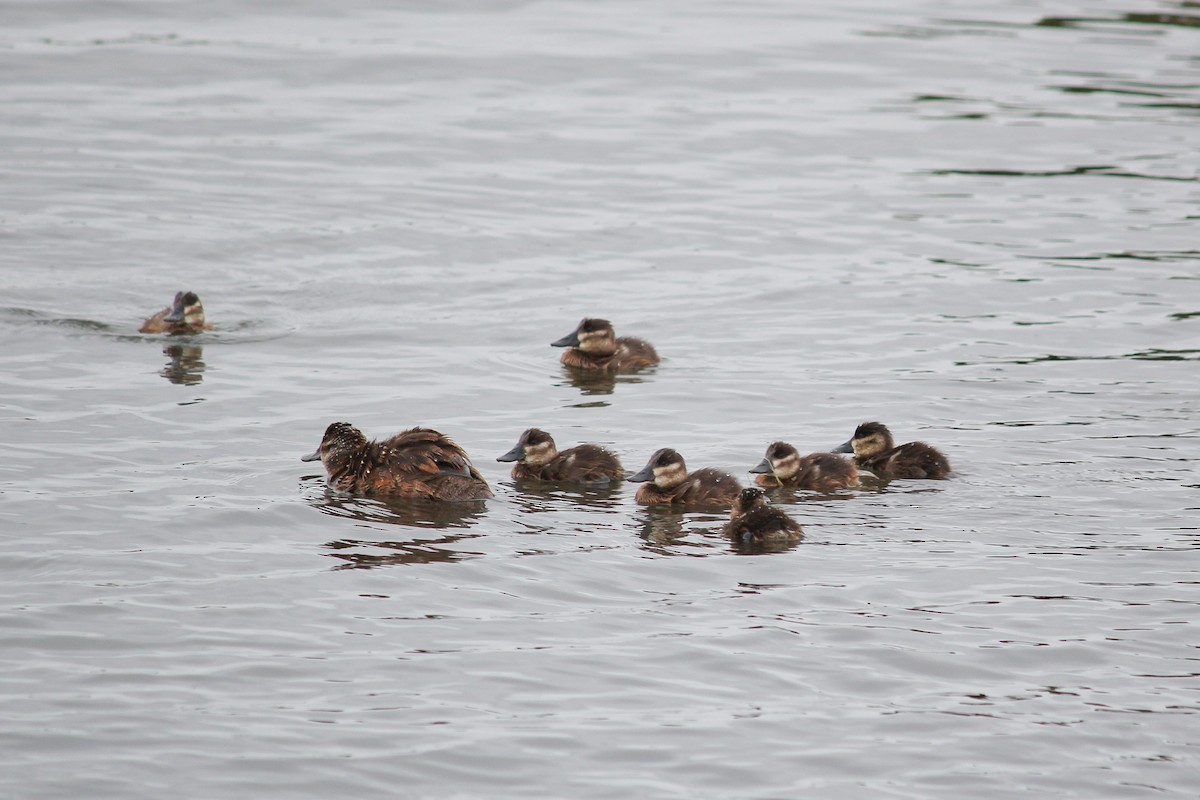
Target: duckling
875	450
822	472
594	345
754	520
416	463
671	483
184	315
538	458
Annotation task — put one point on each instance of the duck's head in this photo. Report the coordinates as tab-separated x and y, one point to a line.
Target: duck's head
747	500
535	447
593	336
782	460
186	308
665	468
341	440
868	439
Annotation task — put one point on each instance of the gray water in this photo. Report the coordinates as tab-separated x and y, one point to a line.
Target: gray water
975	221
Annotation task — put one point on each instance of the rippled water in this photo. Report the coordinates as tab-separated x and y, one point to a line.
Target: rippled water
973	221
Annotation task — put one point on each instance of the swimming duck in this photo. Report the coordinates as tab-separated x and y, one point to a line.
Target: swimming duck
875	450
184	315
754	520
594	345
670	482
538	458
822	472
416	463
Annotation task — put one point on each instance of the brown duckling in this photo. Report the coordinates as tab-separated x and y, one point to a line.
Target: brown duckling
754	520
538	458
184	315
416	463
594	345
822	472
875	450
670	482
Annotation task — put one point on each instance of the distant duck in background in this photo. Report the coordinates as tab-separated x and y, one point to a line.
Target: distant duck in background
753	520
593	345
823	472
416	463
670	483
875	450
538	458
184	315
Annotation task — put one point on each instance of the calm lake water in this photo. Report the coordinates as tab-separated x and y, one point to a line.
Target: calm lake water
975	221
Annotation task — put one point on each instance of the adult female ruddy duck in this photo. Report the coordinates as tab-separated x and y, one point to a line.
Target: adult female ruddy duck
754	520
538	458
184	315
670	482
594	345
417	463
875	450
822	472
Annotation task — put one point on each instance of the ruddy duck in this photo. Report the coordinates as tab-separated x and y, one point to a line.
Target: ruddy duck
416	463
874	449
670	482
822	472
594	345
754	520
538	458
184	315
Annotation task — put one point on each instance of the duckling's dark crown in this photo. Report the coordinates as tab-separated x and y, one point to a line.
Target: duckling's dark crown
535	436
869	429
594	325
665	456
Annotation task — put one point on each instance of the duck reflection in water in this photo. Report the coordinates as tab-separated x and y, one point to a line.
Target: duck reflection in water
185	364
414	513
663	531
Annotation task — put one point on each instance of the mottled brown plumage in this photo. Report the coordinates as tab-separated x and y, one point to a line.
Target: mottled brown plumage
822	472
416	463
538	458
184	315
754	520
875	450
593	345
671	483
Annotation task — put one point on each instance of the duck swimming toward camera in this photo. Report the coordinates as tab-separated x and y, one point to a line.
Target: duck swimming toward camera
753	520
538	458
669	482
822	472
593	345
875	450
184	315
416	463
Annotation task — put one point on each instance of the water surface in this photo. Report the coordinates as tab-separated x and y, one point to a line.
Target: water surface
975	222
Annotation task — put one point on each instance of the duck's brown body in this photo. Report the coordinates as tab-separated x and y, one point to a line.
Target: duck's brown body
821	472
671	484
184	315
594	346
538	458
416	463
754	520
875	450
